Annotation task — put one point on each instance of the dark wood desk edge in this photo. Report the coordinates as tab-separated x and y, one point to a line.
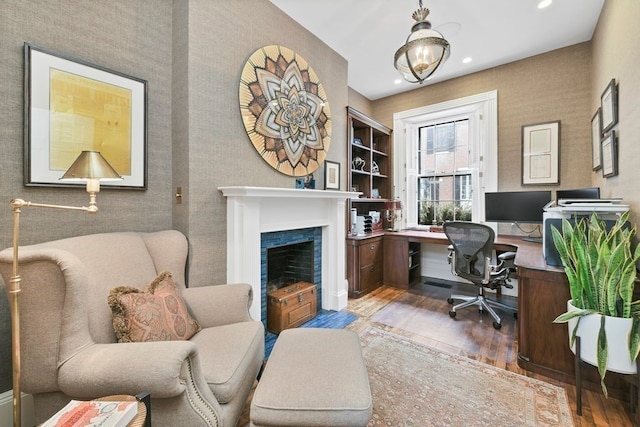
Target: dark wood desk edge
528	254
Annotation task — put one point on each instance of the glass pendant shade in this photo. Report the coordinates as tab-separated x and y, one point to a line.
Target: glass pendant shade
423	52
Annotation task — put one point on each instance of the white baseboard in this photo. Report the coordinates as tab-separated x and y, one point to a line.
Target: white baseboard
6	409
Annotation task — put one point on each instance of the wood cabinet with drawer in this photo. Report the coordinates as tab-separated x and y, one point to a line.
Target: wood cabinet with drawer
364	264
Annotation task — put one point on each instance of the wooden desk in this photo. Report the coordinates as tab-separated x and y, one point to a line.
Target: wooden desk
543	292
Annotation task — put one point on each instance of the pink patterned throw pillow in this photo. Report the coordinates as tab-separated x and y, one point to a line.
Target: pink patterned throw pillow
155	314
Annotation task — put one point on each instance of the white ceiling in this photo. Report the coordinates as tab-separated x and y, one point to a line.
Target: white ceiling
367	33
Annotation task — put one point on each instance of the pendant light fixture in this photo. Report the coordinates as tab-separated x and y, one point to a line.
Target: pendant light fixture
423	52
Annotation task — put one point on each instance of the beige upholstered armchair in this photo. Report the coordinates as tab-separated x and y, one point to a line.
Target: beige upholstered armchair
69	349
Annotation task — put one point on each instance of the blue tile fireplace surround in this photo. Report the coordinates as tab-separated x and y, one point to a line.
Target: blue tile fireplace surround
289	238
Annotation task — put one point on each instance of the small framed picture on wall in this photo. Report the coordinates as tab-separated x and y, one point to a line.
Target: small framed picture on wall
331	175
609	106
609	155
596	138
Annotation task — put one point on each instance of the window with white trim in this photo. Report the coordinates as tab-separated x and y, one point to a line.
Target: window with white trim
444	173
446	155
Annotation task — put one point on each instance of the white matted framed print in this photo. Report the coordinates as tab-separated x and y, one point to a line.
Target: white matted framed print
609	155
541	154
596	138
72	106
331	175
609	106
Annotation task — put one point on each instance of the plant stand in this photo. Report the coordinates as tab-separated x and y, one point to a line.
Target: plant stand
633	379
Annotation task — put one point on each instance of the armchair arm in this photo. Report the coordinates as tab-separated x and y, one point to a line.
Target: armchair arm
127	368
220	304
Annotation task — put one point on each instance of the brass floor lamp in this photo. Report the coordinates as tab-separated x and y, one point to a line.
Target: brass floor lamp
91	167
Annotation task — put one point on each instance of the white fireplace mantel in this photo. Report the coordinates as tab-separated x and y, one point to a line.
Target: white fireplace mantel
252	211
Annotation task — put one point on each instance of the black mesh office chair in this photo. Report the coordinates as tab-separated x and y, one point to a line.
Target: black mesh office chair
470	255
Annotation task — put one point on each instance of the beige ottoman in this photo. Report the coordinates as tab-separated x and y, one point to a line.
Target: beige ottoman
314	377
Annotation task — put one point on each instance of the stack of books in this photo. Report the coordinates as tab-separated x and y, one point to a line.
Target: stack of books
103	413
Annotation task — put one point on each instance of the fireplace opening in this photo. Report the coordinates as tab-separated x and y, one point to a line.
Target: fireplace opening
292	295
288	264
290	257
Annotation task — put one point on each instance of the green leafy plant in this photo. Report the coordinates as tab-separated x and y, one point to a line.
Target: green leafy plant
445	212
601	270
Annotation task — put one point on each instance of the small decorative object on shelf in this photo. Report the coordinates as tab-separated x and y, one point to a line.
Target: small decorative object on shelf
357	141
306	182
358	164
393	214
94	413
375	168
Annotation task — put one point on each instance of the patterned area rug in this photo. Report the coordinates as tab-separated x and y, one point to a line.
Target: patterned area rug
415	385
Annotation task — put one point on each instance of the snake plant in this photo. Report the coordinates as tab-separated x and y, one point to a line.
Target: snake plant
601	270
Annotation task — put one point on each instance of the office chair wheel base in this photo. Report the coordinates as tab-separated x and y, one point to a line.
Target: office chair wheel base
497	325
452	314
450	300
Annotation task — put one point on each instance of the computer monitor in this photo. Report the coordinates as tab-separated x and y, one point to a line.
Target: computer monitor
516	206
578	193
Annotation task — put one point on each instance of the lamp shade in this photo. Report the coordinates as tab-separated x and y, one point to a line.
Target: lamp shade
91	165
424	50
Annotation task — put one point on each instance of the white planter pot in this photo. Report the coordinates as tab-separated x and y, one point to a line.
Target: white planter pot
617	329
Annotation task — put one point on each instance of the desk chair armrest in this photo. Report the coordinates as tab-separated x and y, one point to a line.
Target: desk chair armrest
507	256
126	368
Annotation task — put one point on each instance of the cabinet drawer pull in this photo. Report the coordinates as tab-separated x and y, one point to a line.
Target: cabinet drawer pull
372	247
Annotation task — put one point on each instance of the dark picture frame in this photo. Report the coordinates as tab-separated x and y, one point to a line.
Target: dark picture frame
331	175
609	106
541	154
72	105
596	139
609	155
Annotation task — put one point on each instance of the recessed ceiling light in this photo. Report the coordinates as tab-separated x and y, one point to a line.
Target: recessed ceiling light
397	81
544	3
467	60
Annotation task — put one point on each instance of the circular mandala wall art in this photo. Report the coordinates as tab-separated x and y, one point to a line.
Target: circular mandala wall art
285	111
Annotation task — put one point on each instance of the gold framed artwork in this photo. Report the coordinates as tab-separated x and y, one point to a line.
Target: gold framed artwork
285	110
541	154
72	106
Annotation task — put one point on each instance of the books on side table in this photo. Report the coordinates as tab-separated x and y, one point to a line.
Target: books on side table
90	413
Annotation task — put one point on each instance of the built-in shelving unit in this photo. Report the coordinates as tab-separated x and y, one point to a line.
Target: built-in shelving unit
414	262
369	166
369	141
402	258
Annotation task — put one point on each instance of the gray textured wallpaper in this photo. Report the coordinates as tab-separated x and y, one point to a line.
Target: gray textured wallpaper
191	53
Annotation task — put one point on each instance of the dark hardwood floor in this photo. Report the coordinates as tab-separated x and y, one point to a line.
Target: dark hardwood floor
421	314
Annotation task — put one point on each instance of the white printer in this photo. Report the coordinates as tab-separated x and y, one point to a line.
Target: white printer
607	210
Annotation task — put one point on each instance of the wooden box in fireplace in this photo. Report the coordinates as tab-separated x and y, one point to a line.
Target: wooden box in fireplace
291	306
